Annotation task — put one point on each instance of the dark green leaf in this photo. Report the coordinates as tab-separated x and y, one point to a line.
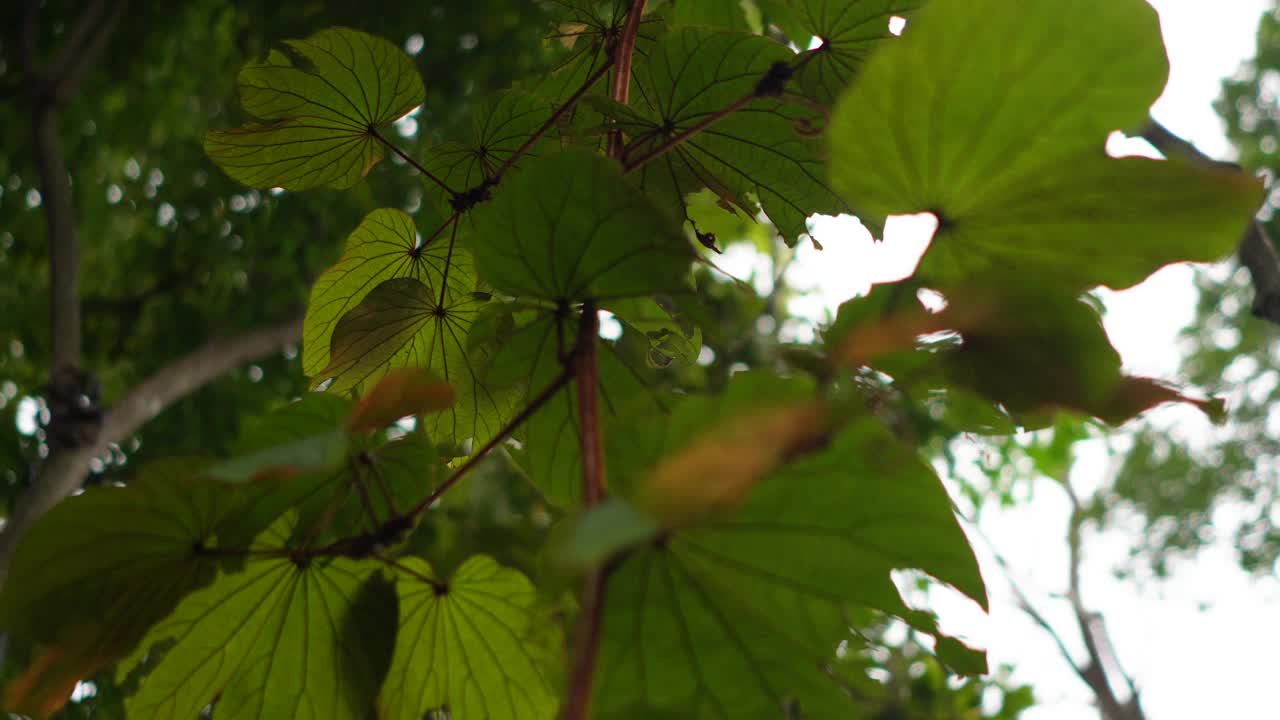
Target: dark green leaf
100	568
322	101
736	617
849	30
569	227
767	148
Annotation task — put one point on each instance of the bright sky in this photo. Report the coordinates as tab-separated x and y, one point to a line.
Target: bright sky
1190	664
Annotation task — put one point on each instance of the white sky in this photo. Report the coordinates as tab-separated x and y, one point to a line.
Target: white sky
1190	664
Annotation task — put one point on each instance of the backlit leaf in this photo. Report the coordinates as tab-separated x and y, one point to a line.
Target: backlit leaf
465	644
1001	136
321	102
272	641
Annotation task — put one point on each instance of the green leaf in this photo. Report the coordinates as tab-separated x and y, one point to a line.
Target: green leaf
316	453
570	228
466	644
1002	138
767	148
722	14
322	100
100	568
736	617
279	639
849	29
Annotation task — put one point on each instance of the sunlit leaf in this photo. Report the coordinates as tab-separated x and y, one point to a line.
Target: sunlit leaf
570	228
465	644
97	570
322	102
1002	138
279	639
768	148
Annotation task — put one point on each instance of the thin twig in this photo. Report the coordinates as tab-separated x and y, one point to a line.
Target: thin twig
565	107
534	405
373	132
667	145
444	274
435	584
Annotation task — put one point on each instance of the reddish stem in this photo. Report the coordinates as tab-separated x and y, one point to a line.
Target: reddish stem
623	52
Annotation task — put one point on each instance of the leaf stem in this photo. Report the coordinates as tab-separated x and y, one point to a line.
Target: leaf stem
373	132
435	584
534	405
621	90
587	633
772	84
667	145
444	275
565	107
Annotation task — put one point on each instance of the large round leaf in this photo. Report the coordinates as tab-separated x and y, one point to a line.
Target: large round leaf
570	228
992	114
322	101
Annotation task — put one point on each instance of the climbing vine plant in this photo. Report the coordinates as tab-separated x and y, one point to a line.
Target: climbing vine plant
711	553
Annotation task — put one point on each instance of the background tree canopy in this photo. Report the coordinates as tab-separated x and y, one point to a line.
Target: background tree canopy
395	338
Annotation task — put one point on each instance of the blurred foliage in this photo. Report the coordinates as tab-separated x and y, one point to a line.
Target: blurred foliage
1223	484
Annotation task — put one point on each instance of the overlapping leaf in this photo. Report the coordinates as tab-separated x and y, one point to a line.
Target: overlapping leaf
402	323
467	643
767	149
570	228
382	307
849	30
1001	135
100	568
279	639
737	616
322	101
384	246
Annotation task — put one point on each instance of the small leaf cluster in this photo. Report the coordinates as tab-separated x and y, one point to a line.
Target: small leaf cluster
732	542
